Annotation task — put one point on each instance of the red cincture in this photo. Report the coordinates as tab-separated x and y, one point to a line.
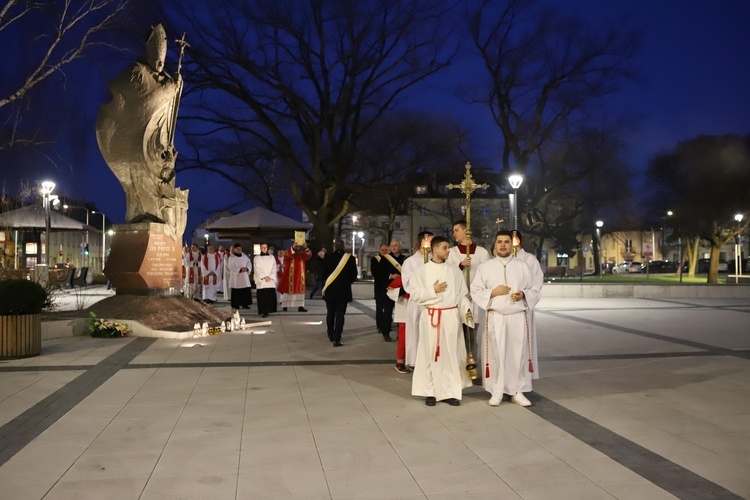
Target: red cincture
435	323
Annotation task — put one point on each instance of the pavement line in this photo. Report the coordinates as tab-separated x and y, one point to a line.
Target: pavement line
23	429
661	471
654	336
246	364
729	307
364	309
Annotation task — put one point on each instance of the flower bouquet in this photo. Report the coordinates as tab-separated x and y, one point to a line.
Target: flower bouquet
107	328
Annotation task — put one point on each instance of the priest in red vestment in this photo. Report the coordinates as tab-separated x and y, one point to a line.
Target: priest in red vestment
292	284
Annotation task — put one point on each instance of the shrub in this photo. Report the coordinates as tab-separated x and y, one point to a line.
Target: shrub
19	296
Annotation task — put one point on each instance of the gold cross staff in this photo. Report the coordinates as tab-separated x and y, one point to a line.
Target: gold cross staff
467	187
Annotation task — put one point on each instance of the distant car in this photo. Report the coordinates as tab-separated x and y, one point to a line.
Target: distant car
745	266
626	267
703	264
62	265
661	266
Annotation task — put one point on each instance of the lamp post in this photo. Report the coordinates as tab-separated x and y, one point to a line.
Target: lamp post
67	207
104	234
738	250
47	188
680	259
599	225
515	181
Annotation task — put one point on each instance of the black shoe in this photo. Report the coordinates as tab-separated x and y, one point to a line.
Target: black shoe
337	344
283	309
246	307
265	315
387	338
430	401
302	310
453	402
401	368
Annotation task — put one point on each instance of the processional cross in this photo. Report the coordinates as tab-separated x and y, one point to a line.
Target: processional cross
467	187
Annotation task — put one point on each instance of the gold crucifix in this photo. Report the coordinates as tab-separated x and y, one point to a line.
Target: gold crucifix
467	187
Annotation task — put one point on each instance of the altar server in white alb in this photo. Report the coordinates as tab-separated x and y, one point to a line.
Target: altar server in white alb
505	289
240	268
413	310
192	262
212	267
265	281
468	259
439	373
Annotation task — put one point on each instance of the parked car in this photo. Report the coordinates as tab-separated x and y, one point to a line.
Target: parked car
745	266
661	266
703	264
607	267
627	267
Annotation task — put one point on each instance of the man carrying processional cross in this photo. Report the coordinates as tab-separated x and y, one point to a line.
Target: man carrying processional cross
468	256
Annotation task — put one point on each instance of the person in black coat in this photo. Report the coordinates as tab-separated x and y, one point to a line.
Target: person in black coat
340	271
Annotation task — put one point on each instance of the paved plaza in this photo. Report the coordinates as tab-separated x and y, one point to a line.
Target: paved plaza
638	399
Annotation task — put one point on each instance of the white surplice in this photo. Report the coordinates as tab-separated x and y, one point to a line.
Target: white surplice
506	339
212	267
413	310
537	282
479	257
441	352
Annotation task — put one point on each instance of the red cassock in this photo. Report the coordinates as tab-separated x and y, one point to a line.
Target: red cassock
293	277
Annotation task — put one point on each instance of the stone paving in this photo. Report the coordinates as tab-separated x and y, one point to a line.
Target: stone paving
637	399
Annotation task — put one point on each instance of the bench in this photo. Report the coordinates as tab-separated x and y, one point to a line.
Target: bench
81	279
67	281
555	272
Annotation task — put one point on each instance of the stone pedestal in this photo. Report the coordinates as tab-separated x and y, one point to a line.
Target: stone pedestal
144	260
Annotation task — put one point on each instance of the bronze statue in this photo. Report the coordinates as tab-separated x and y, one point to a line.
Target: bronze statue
135	132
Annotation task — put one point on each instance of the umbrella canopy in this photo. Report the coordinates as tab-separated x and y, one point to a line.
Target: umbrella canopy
33	217
258	222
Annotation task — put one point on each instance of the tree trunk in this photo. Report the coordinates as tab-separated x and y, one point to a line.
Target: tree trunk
692	251
713	267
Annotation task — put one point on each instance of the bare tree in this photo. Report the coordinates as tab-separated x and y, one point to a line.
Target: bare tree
545	73
705	182
303	81
52	34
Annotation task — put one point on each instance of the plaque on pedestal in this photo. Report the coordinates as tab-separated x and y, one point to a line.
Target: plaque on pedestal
144	260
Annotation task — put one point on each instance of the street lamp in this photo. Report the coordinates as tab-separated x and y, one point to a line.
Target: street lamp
67	207
104	234
599	225
47	188
738	249
515	181
354	238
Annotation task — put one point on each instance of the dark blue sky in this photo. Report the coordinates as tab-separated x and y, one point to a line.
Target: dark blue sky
695	67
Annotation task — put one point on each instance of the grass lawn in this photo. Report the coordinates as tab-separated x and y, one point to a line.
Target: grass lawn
660	279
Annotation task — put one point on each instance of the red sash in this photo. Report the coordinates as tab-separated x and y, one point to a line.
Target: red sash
435	323
195	271
216	268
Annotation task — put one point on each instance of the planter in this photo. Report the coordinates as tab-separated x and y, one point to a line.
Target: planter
20	336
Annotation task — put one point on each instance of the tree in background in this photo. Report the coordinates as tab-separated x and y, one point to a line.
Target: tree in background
704	182
45	38
545	75
302	82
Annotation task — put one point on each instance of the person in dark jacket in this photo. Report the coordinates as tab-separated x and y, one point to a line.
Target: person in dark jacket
340	271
